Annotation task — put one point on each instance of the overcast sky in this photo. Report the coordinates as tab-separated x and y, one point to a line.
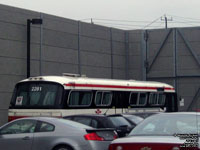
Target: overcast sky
127	10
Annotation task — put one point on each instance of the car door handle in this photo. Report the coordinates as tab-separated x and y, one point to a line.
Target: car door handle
26	138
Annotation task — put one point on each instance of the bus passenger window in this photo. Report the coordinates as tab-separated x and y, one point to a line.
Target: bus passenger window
74	98
103	98
133	99
142	99
153	98
157	99
86	100
80	98
161	99
98	98
106	98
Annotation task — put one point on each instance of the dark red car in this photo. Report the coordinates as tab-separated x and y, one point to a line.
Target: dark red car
165	131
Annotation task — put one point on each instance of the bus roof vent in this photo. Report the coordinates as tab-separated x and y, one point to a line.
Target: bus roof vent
73	75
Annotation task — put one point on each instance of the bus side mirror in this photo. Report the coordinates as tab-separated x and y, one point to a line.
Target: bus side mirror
180	98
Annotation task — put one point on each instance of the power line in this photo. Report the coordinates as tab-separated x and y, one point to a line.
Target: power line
151	23
185	17
177	21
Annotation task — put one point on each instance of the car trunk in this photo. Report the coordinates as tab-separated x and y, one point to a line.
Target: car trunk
148	146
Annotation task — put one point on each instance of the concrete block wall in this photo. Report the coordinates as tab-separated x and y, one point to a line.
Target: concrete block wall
175	64
59	45
13	52
101	48
188	67
163	65
135	55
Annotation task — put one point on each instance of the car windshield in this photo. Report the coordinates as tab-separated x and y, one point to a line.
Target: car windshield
168	124
119	121
35	94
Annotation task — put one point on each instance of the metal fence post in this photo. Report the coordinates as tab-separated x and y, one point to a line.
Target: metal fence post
144	47
127	53
79	55
175	57
111	52
41	41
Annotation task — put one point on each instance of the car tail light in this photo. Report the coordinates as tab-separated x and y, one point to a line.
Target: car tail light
115	136
111	147
93	136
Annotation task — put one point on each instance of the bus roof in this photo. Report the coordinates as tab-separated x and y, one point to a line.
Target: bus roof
85	83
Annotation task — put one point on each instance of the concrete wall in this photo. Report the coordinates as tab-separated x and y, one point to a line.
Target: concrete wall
58	45
13	52
177	62
135	55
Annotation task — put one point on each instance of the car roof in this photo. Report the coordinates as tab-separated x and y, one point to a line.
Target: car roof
86	115
94	115
186	113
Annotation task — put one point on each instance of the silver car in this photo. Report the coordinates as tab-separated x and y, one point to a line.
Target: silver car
165	131
43	133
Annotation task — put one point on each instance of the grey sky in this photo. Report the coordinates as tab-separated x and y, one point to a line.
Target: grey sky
132	10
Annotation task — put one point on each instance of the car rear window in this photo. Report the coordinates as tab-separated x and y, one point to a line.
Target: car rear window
74	124
119	121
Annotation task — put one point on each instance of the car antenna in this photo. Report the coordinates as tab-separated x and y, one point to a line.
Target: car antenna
106	111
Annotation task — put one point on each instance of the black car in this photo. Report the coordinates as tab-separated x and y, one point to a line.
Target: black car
133	119
118	122
145	114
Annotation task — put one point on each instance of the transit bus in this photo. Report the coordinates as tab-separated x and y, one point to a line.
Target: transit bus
58	96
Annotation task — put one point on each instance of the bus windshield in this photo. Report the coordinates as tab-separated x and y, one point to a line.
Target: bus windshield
36	94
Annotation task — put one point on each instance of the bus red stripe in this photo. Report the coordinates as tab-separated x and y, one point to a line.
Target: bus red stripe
116	86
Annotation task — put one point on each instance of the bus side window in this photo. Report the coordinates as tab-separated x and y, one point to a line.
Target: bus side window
161	99
74	98
142	99
98	98
103	98
153	98
157	99
107	97
133	99
80	98
138	99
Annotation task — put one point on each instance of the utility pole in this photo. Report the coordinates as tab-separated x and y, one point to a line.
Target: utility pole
92	21
166	19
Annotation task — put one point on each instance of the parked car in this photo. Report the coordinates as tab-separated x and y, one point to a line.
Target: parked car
117	122
145	114
43	133
133	119
165	131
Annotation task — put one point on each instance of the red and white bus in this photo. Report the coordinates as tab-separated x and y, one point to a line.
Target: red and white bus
59	96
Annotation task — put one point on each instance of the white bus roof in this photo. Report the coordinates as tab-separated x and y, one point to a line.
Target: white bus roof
85	83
